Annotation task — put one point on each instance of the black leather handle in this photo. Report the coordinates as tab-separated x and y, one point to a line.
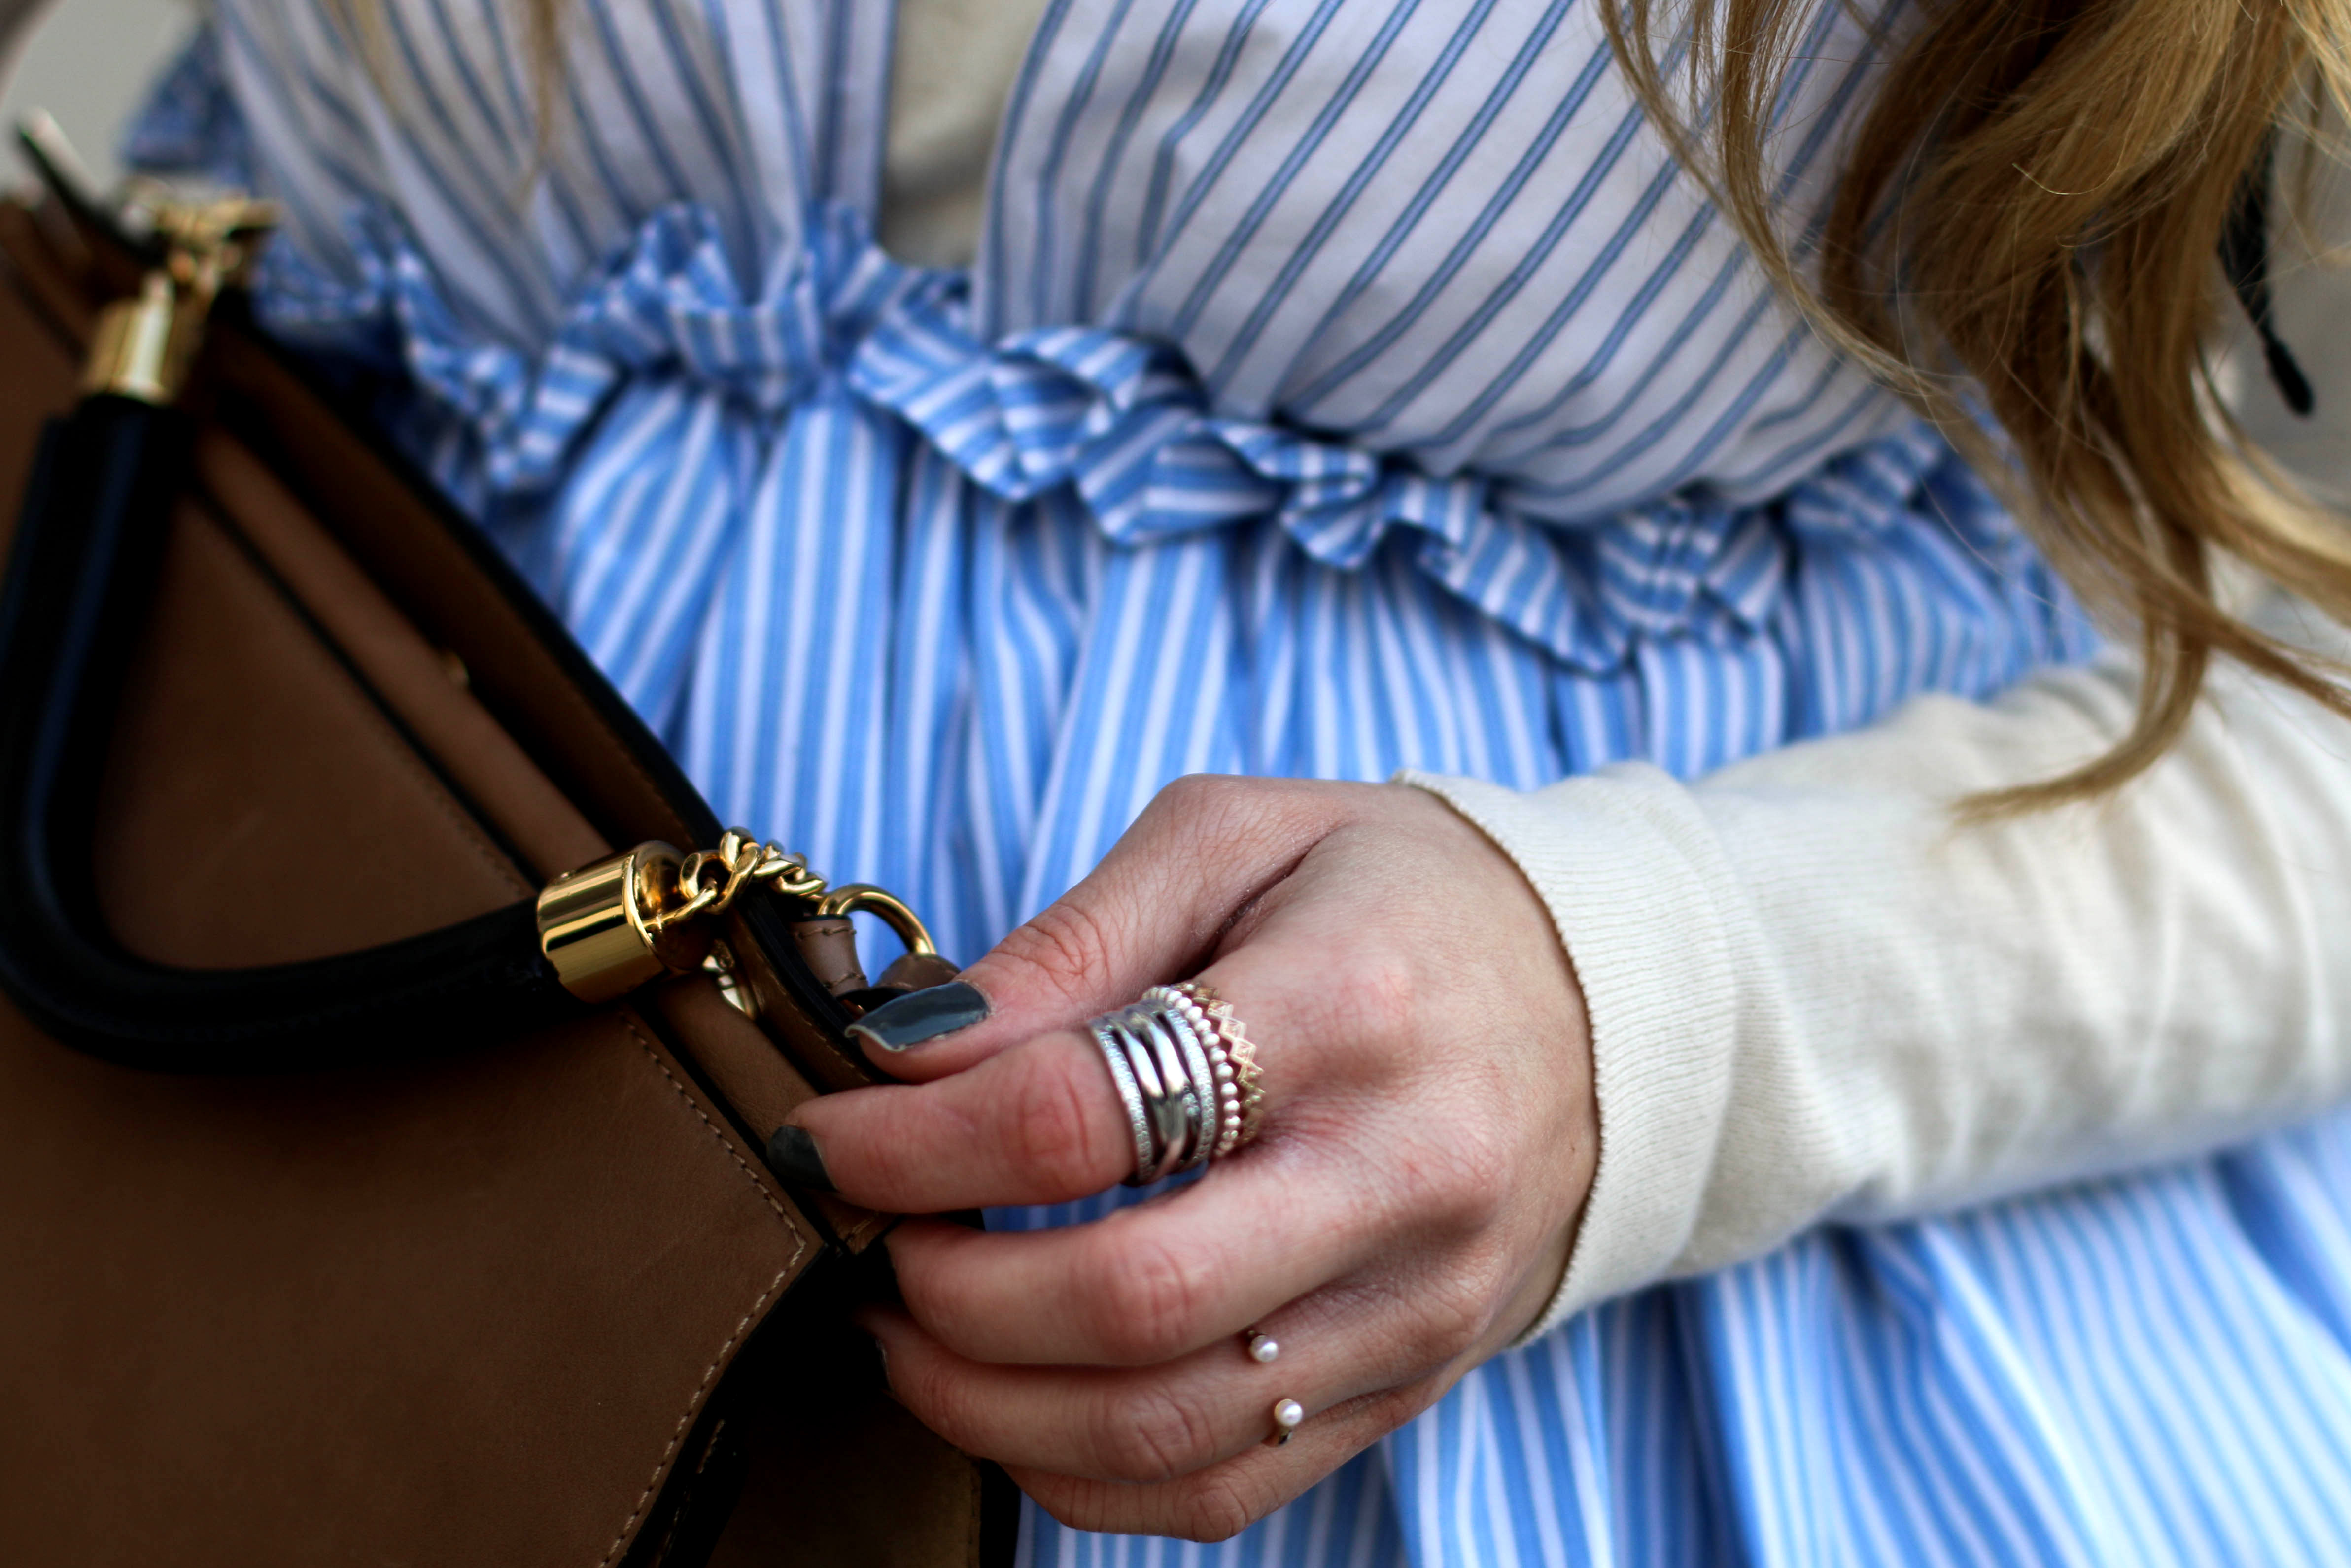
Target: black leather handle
81	579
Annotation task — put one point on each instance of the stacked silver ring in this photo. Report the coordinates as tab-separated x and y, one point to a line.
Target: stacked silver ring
1240	1101
1179	1002
1186	1098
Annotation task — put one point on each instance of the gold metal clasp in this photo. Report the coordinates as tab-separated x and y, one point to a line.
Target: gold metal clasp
629	918
143	345
828	943
851	898
131	351
611	926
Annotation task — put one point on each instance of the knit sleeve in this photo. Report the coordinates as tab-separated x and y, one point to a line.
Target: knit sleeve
1815	993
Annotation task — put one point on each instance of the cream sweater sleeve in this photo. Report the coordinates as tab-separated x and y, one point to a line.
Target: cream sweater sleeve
1814	995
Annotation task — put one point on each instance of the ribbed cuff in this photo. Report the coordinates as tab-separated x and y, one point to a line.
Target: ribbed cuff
1634	881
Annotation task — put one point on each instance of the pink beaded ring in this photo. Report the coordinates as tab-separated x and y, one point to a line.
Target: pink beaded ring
1232	1056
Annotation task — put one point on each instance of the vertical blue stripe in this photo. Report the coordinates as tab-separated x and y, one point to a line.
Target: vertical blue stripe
1347	384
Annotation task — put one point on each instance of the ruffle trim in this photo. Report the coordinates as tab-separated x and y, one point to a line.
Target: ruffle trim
1122	421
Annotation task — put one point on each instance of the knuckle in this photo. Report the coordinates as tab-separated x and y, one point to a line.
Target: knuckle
1149	1302
1217	809
1196	795
1447	1324
1212	1509
1064	948
1375	1000
1055	1133
939	1399
1463	1179
1153	1434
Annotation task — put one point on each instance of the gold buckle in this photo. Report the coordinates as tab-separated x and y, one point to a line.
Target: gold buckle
611	926
143	345
851	898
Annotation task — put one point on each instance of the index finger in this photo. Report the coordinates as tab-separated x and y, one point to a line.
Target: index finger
1205	847
1038	1123
1044	1122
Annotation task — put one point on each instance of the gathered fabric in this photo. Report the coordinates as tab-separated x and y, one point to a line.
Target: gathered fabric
1119	421
1343	386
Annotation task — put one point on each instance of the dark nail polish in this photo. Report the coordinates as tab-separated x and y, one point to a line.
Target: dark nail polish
923	1015
792	1155
879	1377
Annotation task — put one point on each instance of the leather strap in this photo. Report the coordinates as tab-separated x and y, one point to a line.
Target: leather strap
79	579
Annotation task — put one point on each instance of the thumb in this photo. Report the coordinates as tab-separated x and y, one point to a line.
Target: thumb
1150	911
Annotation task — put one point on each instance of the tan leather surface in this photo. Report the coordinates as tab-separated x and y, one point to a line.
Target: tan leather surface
449	1315
742	1063
752	1076
407	675
259	807
457	1313
917	972
404	550
829	947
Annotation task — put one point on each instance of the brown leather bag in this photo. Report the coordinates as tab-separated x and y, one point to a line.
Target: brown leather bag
327	1235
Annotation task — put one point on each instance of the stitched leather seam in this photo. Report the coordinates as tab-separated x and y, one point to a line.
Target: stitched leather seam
629	1023
686	1420
702	1389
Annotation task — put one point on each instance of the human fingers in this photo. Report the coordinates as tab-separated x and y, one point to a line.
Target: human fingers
1155	1423
1205	847
1150	1283
1043	1122
1142	1285
1220	1501
1424	1049
1038	1123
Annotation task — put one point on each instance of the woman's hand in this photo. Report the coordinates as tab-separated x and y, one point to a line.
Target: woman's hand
1429	1136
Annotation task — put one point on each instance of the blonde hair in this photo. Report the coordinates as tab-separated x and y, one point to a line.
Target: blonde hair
2028	225
543	23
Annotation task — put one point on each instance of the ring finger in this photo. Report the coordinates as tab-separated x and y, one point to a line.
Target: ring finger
1157	1422
1221	1500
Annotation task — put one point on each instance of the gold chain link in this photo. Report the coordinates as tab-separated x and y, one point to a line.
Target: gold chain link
711	879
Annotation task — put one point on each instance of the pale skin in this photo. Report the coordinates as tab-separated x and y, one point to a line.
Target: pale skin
1430	1136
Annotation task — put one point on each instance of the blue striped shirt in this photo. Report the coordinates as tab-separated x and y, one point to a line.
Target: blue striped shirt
1343	385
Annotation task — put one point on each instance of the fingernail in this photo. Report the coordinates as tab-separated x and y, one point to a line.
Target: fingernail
922	1015
881	1378
792	1155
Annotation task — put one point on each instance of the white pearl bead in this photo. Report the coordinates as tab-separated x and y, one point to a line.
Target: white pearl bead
1263	1348
1288	1413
